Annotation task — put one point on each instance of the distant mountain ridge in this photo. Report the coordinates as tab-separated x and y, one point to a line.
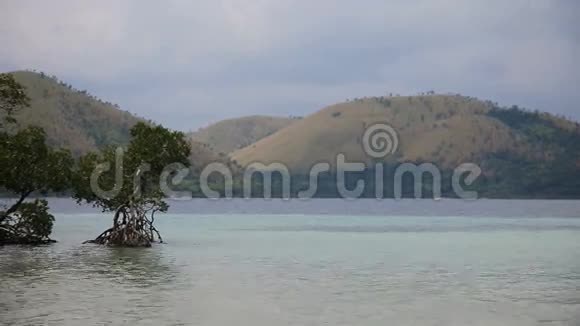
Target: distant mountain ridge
229	135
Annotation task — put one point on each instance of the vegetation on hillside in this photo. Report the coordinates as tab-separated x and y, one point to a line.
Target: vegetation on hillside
12	98
551	168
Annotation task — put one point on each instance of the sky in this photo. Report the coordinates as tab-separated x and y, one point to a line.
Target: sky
187	64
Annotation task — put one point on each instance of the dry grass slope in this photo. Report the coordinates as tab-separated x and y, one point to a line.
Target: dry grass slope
444	129
229	135
77	121
72	119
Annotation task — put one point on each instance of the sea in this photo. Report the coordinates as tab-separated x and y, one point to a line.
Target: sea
306	262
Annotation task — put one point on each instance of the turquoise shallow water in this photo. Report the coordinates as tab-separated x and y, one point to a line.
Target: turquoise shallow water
326	267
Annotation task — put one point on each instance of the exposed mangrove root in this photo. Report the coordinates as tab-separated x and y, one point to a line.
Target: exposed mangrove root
131	228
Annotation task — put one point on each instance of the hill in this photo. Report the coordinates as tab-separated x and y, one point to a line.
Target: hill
510	144
72	119
428	127
202	155
446	129
521	153
80	122
229	135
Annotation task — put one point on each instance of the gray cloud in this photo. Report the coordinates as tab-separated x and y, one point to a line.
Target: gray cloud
187	63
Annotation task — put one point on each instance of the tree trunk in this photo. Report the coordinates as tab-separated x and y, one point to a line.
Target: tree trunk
4	215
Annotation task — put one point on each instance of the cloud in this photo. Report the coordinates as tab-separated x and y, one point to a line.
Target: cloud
206	60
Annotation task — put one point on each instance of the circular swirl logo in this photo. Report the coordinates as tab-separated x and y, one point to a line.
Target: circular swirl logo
380	140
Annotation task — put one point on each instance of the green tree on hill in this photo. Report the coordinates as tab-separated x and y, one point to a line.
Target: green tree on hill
12	98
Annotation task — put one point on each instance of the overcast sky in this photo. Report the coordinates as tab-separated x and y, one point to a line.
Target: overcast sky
190	63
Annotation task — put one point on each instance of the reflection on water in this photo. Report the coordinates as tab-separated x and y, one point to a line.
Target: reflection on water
301	270
135	266
123	265
66	285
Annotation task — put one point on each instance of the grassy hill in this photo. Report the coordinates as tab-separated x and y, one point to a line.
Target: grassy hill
520	152
444	129
72	119
202	154
229	135
80	122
